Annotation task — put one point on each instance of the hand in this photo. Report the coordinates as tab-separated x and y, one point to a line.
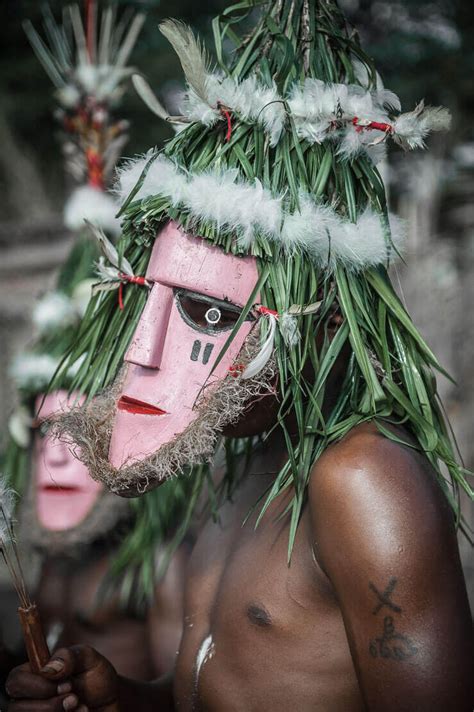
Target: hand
76	678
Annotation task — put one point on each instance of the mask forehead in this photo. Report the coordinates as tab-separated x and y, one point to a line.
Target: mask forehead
188	262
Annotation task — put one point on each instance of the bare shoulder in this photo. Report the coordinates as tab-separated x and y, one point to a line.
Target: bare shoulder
383	533
373	492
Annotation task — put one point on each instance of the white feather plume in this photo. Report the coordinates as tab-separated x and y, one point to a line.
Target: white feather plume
191	55
94	205
264	355
109	251
411	129
33	372
147	95
53	311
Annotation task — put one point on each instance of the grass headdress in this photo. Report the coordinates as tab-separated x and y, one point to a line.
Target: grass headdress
278	159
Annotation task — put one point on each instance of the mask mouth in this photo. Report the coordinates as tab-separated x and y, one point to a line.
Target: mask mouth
60	489
132	405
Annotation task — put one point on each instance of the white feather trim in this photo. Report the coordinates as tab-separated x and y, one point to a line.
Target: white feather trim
320	112
329	240
236	206
19	426
411	129
54	311
314	105
33	372
88	203
250	100
245	210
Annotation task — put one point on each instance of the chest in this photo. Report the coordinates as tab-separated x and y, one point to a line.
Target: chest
247	608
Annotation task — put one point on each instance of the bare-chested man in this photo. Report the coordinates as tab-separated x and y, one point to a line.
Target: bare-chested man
372	614
260	237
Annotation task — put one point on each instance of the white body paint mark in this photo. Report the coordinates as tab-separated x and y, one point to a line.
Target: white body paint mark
206	653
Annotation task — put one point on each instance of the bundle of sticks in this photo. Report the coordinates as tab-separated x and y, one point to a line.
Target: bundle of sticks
33	634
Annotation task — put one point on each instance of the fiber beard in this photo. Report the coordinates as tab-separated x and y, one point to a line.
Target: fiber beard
88	429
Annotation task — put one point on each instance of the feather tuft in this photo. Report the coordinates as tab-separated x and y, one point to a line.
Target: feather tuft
147	95
109	251
289	330
191	54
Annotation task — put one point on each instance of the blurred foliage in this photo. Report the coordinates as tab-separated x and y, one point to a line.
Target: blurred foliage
424	49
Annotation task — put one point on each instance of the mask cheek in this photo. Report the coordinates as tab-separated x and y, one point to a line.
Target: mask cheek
211	350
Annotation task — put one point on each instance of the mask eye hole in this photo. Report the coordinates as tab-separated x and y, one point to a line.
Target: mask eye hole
206	314
213	316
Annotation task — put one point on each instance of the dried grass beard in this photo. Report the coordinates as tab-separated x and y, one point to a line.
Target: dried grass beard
88	428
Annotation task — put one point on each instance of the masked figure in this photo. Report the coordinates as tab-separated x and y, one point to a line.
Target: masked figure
76	526
250	303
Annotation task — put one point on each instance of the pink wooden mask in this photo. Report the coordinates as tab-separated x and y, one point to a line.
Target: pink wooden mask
197	294
65	492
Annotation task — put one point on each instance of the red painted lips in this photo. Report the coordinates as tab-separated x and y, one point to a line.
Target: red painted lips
132	405
59	489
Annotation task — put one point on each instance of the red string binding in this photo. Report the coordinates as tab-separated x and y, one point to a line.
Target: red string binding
129	279
226	113
265	310
95	169
372	126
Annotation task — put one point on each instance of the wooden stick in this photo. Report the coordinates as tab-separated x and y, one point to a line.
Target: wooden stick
33	635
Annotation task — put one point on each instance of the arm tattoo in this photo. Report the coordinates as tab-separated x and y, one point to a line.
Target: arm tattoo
385	597
391	644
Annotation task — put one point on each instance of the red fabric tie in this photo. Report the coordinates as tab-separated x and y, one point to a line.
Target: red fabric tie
95	169
228	116
265	310
128	279
372	126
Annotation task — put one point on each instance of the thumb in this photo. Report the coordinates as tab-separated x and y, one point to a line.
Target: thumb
68	662
58	667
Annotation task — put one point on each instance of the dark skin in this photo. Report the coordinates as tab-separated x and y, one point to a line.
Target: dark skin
139	647
371	615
